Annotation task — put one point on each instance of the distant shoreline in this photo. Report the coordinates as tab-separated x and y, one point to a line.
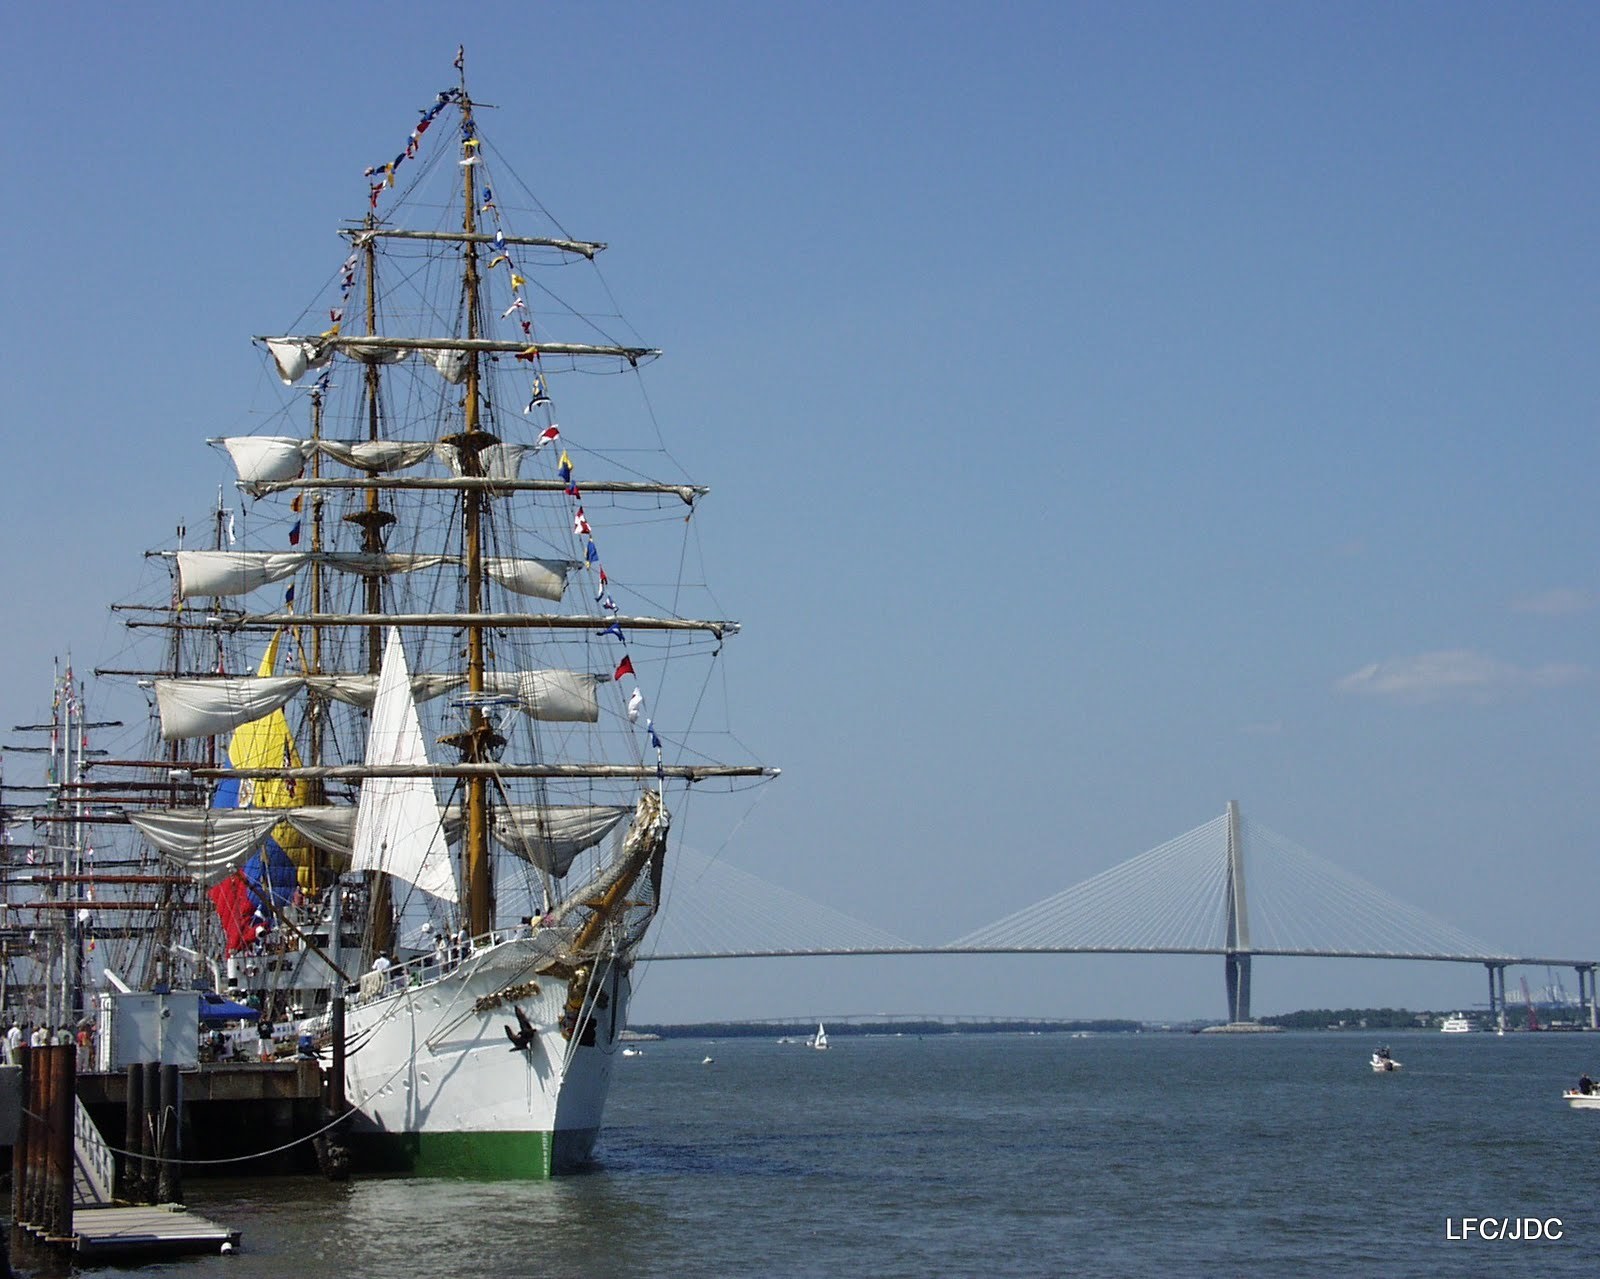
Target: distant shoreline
1335	1020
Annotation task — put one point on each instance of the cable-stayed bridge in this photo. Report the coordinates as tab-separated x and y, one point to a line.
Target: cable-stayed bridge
1229	887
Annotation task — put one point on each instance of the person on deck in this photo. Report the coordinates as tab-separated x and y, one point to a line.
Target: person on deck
13	1043
1585	1084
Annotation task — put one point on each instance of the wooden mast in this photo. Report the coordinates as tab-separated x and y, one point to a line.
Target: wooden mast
478	742
373	521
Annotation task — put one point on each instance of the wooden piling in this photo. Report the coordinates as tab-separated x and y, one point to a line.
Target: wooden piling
151	1104
61	1068
167	1129
132	1181
20	1154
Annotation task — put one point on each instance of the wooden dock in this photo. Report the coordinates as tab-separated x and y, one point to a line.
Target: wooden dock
63	1170
148	1231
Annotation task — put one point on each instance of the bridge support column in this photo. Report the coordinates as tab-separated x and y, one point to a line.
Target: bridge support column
1237	972
1497	995
1237	946
1586	997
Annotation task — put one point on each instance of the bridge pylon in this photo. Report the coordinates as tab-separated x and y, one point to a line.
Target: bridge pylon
1236	960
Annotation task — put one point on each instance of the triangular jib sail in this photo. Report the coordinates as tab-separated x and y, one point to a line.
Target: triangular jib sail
398	826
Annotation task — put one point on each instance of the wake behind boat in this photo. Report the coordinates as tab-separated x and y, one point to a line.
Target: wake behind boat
439	832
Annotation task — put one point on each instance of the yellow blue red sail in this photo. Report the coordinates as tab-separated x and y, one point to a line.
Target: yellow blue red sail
286	862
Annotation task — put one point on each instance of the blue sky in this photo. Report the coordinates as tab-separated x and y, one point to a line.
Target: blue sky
1110	411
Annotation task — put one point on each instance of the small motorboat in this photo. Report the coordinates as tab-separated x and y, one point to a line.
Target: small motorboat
1586	1096
1383	1064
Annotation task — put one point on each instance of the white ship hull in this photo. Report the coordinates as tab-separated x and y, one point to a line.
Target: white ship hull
438	1087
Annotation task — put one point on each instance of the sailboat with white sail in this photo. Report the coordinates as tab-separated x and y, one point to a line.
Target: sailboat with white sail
445	833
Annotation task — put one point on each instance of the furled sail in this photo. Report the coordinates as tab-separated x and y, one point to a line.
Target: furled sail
362	690
497	461
294	355
397	819
265	459
452	365
328	826
552	696
226	573
233	572
206	842
542	579
376	455
210	707
551	836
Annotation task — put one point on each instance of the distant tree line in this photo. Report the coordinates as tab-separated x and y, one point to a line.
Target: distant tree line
838	1030
1350	1019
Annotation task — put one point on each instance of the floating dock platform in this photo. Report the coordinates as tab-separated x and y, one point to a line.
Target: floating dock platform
146	1232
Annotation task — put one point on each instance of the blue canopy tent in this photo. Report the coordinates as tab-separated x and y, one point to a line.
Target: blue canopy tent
214	1007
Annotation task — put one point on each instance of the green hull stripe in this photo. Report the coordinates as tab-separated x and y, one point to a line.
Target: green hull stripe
484	1156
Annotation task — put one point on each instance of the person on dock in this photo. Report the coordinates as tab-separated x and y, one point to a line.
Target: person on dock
13	1043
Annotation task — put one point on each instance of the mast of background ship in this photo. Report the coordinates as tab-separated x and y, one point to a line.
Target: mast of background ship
479	743
373	521
317	710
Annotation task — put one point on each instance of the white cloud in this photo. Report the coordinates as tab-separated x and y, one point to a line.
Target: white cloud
1455	675
1562	601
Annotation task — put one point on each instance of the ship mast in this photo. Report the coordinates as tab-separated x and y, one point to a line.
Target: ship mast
478	743
373	520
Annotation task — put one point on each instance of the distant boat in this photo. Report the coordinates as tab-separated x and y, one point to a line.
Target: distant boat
818	1040
1383	1064
1455	1024
1583	1098
633	1052
707	1061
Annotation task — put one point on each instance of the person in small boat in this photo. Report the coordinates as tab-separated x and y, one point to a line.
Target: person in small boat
1383	1053
1585	1084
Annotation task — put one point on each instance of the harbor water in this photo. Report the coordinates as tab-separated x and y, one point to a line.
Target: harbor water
1118	1155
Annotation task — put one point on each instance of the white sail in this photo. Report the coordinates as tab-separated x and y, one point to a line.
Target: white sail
211	707
550	836
551	696
540	578
207	842
329	826
561	696
265	459
362	690
382	564
452	365
226	573
376	455
498	461
294	355
373	352
234	572
397	819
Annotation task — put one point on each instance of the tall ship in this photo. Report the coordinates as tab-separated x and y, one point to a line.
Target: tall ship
427	687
